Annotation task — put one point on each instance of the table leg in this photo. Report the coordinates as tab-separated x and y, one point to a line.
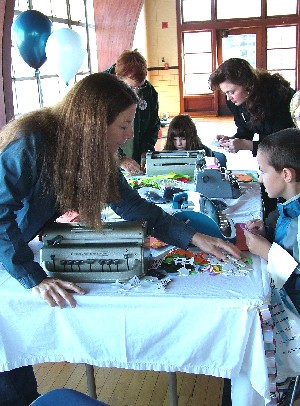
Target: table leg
173	388
91	384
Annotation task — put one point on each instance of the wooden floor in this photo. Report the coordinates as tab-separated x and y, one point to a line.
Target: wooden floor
120	387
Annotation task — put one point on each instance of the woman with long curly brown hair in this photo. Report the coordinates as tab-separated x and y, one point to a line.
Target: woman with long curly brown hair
63	158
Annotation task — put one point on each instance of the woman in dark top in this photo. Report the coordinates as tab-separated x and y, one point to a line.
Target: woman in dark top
259	102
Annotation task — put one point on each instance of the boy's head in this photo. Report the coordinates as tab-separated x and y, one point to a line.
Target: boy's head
278	158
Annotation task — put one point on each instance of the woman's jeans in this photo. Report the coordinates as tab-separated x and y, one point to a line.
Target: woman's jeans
18	387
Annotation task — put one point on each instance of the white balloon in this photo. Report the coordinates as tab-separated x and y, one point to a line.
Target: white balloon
65	52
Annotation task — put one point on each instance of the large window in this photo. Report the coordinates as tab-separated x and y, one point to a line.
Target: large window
32	90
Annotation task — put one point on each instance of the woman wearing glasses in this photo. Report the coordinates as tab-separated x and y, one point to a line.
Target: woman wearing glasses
131	67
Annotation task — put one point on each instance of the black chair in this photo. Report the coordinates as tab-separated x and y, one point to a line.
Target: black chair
66	397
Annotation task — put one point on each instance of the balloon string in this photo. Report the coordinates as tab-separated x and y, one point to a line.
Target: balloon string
38	80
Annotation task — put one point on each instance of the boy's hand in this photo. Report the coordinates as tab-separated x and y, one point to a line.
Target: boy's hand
257	244
256	226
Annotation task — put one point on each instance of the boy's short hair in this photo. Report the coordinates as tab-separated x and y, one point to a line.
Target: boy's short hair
283	149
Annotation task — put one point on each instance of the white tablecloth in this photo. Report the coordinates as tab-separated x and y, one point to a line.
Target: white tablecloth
200	324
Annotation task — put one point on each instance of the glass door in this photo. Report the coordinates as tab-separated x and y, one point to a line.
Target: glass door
239	43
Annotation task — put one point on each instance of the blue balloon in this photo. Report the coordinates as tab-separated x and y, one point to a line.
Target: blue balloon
31	31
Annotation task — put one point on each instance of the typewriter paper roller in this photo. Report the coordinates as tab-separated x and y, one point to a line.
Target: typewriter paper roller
74	252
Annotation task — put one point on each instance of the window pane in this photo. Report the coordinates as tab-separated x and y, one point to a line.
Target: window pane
281	58
77	10
196	84
42	6
90	11
19	66
196	42
279	7
51	8
228	9
281	37
53	90
192	12
21	5
240	46
198	63
26	96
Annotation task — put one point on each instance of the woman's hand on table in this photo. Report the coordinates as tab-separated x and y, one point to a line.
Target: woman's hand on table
257	244
222	138
131	166
215	246
234	145
57	292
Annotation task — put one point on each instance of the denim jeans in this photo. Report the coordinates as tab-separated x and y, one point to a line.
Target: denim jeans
18	387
